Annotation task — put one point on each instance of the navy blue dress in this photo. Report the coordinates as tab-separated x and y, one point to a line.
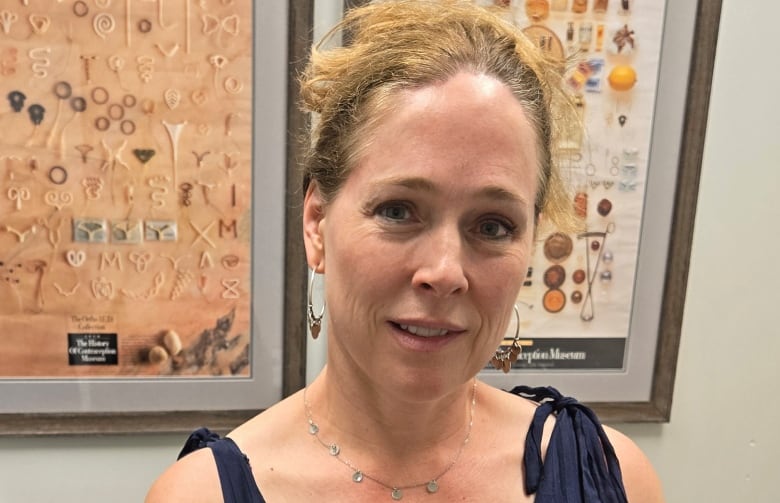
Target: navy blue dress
580	464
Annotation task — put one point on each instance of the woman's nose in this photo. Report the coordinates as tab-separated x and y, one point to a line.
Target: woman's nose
441	263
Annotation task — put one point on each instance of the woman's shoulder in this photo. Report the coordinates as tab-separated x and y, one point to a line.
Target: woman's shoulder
250	448
639	477
564	422
193	478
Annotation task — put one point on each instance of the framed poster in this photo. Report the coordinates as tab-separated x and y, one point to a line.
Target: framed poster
142	206
601	309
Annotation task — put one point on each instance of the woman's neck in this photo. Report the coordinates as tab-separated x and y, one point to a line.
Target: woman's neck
379	427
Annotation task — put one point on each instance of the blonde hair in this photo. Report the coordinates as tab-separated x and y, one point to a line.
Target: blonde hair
406	44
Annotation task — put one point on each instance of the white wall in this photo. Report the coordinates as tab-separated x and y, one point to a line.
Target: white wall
721	443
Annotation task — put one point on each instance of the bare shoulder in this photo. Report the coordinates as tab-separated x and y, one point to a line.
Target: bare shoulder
193	479
639	477
265	439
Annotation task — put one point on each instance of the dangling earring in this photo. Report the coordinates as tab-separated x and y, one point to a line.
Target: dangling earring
505	358
315	320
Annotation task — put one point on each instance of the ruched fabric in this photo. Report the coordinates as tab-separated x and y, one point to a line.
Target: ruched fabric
580	465
235	472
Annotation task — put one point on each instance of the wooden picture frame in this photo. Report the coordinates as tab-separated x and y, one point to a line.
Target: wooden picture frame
697	97
180	404
678	129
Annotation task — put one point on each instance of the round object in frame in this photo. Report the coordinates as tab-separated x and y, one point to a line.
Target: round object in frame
554	300
622	78
558	247
99	95
62	90
604	207
102	123
78	104
129	100
80	8
157	355
58	175
116	112
172	342
578	276
144	26
127	127
576	296
554	276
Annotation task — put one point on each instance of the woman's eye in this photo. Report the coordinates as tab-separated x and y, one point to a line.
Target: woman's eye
495	229
396	212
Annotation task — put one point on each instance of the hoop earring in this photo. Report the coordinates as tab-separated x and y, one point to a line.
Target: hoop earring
315	320
505	358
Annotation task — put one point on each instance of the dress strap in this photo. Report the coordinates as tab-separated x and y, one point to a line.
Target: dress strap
235	473
580	464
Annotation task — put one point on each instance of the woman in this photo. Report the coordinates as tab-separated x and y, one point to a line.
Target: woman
431	166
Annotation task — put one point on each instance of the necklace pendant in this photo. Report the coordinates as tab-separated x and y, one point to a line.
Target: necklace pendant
334	449
432	487
397	494
313	428
357	476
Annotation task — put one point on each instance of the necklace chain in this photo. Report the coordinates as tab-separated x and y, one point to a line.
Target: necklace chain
396	491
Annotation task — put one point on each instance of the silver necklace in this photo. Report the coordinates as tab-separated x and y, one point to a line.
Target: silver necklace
396	491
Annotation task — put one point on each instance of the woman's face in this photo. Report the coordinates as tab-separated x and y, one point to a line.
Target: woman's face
428	241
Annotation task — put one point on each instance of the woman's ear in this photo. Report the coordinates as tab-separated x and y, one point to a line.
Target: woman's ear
313	228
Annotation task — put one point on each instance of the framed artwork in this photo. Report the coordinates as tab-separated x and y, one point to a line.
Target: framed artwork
600	310
142	215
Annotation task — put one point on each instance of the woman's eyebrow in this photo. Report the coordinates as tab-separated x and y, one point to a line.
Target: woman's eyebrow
416	183
420	183
501	194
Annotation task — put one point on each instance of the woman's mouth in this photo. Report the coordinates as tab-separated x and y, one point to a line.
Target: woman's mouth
424	331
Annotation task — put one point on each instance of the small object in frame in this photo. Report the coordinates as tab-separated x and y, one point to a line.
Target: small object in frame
623	41
599	37
537	10
558	247
586	36
579	6
581	204
622	78
160	230
559	5
554	276
604	207
554	301
545	39
90	230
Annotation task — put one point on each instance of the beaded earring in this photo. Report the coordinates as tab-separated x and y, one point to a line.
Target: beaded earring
505	358
315	320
